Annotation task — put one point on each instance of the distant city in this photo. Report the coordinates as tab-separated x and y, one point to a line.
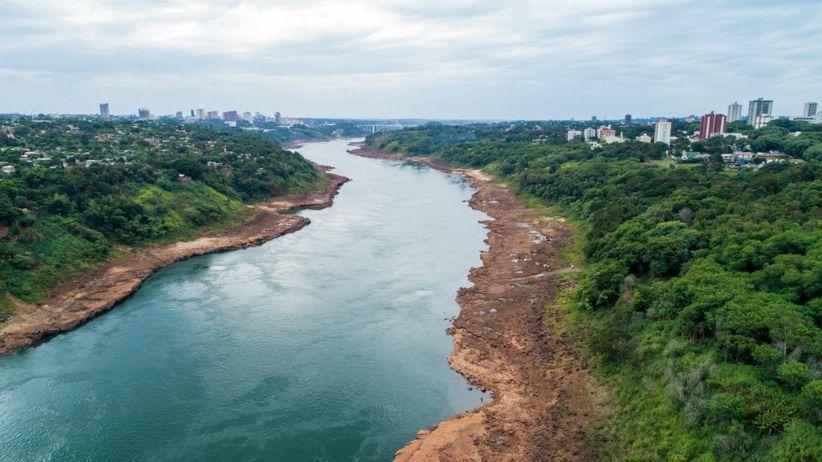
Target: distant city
760	113
247	120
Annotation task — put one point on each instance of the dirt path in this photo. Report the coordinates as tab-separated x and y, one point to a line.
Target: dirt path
80	299
544	400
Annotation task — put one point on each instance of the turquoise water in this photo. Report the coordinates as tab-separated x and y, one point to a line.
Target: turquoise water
327	344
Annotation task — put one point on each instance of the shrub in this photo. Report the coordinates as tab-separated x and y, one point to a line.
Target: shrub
610	337
767	355
794	374
726	407
802	442
811	399
733	443
600	286
774	416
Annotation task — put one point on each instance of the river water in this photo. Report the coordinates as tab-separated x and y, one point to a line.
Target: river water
327	344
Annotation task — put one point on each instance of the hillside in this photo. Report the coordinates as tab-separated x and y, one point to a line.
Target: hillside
73	192
699	305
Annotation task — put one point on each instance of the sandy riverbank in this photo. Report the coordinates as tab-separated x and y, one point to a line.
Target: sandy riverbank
544	400
76	301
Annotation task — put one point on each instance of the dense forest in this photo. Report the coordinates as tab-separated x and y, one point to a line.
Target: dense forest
287	134
74	191
699	305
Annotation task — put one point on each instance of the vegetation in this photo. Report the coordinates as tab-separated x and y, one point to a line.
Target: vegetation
700	300
287	134
80	188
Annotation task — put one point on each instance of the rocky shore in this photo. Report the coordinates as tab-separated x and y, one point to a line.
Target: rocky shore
544	401
78	300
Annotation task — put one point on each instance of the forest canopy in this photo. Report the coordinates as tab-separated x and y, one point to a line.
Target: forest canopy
700	297
74	189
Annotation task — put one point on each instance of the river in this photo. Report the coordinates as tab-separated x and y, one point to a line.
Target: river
328	344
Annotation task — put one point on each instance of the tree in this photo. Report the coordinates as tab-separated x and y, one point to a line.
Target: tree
600	285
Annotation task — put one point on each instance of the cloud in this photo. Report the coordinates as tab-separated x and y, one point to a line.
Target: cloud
494	59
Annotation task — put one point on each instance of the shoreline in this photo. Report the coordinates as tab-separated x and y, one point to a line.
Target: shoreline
297	144
77	301
544	401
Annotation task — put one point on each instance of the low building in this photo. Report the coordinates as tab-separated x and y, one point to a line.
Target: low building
762	120
573	134
589	134
9	169
605	132
693	156
644	138
728	158
817	119
771	157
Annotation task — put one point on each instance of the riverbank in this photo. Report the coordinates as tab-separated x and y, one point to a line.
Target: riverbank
75	302
544	400
297	144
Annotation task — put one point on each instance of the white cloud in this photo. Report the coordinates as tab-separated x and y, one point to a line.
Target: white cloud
526	58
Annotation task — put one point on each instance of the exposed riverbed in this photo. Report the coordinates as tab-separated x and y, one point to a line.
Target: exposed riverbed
326	344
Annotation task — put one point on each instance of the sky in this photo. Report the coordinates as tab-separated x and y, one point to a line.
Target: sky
440	59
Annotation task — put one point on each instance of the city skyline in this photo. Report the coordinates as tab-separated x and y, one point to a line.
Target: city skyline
759	106
478	60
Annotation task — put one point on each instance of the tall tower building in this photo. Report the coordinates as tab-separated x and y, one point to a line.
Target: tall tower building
734	112
105	114
662	132
712	124
759	107
143	113
809	110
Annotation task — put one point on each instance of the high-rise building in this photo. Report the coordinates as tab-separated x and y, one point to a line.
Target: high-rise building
143	113
809	110
758	107
105	114
179	115
258	118
589	133
230	116
192	113
712	124
201	114
277	118
662	131
734	112
627	120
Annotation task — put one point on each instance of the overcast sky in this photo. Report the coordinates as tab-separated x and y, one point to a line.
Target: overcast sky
484	59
